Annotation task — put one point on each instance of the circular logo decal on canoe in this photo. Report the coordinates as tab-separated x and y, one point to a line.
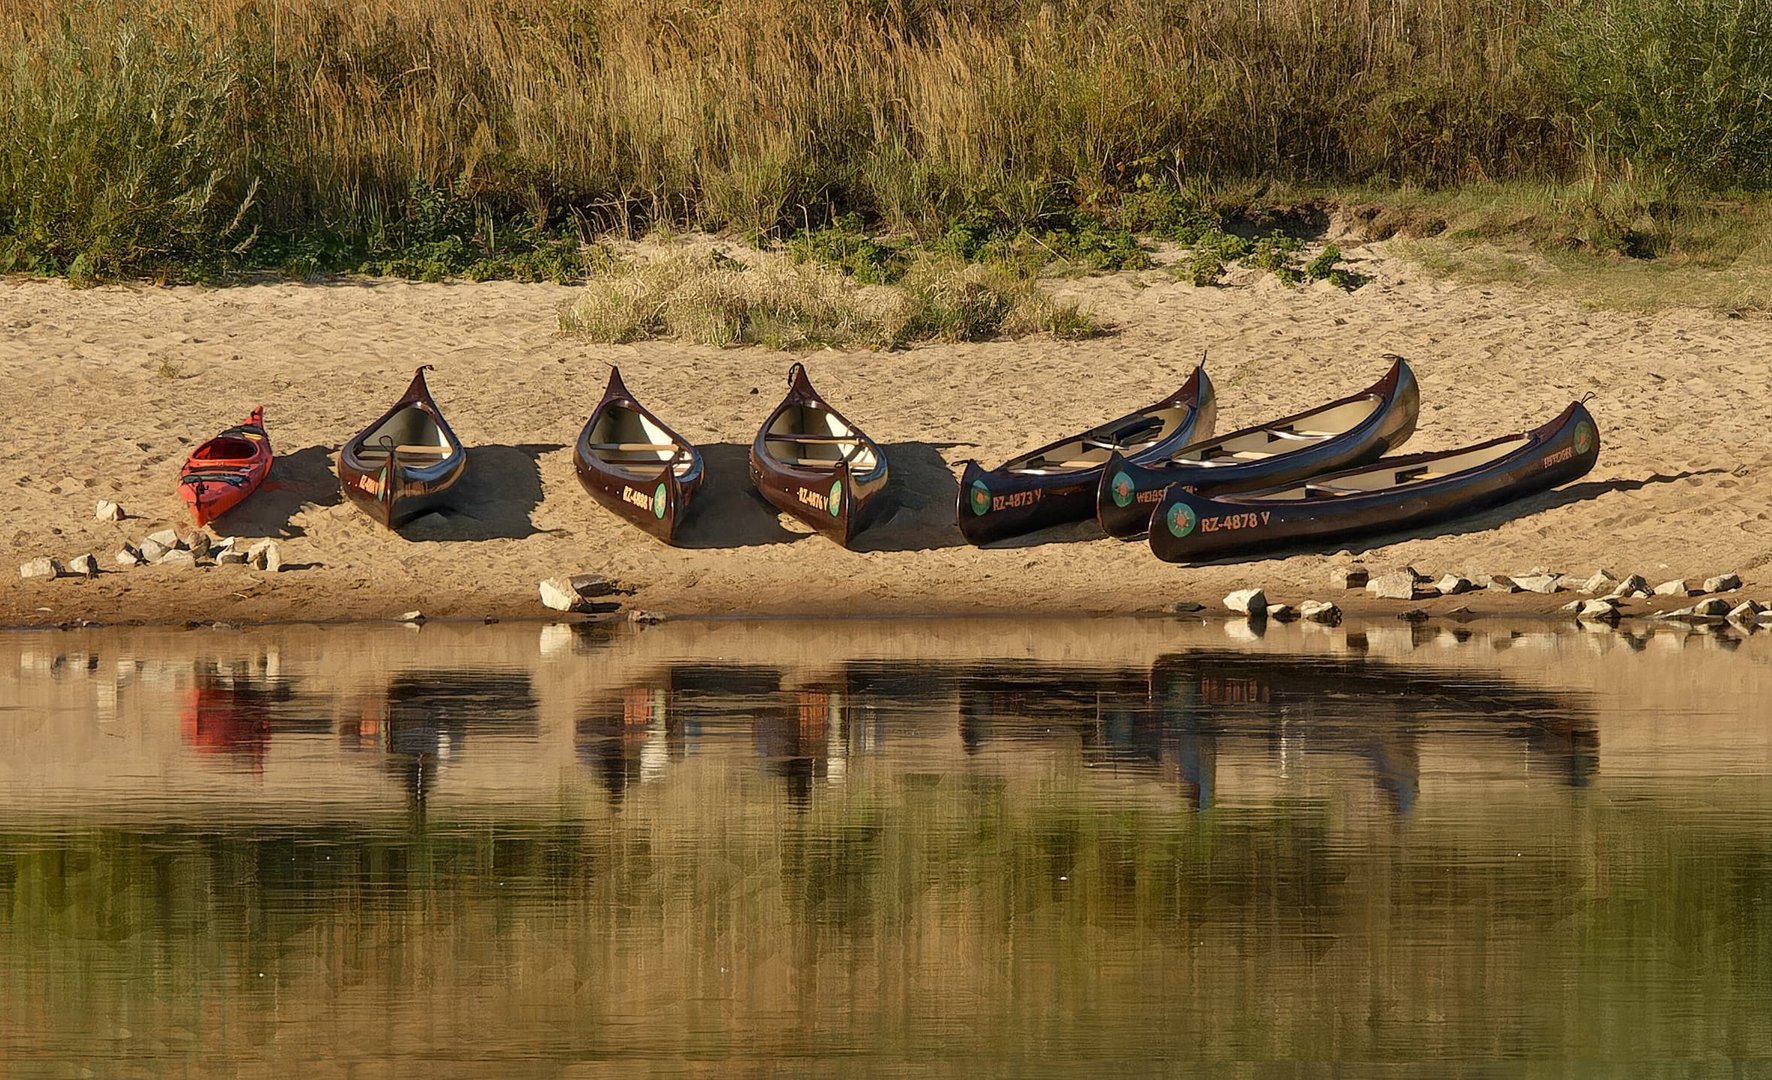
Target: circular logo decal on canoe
836	498
1122	490
658	501
1584	437
981	498
1182	519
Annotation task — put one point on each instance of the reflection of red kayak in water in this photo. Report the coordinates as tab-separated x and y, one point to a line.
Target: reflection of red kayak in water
224	720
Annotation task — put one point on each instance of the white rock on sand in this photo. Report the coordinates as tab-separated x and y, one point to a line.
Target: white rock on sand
1251	602
1395	586
559	595
39	569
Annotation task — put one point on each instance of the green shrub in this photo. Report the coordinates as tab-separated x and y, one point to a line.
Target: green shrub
1213	251
845	247
1277	254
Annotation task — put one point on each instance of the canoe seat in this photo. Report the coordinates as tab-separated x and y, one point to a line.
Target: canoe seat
640	457
635	446
1275	434
1123	446
1331	490
812	440
405	451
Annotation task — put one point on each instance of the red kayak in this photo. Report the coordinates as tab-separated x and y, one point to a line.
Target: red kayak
223	471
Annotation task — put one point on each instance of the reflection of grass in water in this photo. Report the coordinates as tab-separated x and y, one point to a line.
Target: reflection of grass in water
1022	919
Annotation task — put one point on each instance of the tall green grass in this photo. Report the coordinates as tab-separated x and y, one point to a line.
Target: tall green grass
182	137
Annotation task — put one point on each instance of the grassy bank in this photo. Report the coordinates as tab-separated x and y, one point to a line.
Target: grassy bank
184	138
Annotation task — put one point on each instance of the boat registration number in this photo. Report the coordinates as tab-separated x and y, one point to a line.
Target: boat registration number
1016	500
1250	520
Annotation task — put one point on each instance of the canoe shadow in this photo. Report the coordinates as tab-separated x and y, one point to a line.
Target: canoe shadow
1475	523
921	494
727	511
493	500
1071	532
297	481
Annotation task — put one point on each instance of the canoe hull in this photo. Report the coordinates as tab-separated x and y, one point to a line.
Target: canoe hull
834	501
654	500
997	504
393	490
218	477
1190	527
1129	491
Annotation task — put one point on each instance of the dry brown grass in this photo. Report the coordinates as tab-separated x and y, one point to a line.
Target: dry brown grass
778	303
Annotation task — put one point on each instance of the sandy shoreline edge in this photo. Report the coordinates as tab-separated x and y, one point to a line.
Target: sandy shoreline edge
108	388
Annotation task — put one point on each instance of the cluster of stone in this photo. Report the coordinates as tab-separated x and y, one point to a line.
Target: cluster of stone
165	547
1606	593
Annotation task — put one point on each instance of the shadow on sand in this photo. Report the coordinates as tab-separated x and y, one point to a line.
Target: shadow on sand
304	478
494	498
728	512
1488	519
921	495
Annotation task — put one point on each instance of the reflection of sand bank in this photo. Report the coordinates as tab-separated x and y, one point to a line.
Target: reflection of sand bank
507	715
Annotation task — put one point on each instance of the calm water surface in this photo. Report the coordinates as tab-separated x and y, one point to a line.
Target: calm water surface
901	847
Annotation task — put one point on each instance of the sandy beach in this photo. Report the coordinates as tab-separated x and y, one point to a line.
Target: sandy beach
106	390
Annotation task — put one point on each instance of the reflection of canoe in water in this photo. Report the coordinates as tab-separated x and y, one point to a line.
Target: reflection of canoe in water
1351	430
405	462
636	466
1386	496
1057	483
1361	706
222	472
810	462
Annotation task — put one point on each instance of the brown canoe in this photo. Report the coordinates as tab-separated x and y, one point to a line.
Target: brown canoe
809	461
404	463
635	465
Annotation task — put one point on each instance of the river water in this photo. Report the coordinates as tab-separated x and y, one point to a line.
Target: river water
885	847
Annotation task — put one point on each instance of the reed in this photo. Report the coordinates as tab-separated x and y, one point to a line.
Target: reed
179	136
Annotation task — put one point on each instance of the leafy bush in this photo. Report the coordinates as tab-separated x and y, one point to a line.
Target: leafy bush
1277	254
1213	251
845	247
